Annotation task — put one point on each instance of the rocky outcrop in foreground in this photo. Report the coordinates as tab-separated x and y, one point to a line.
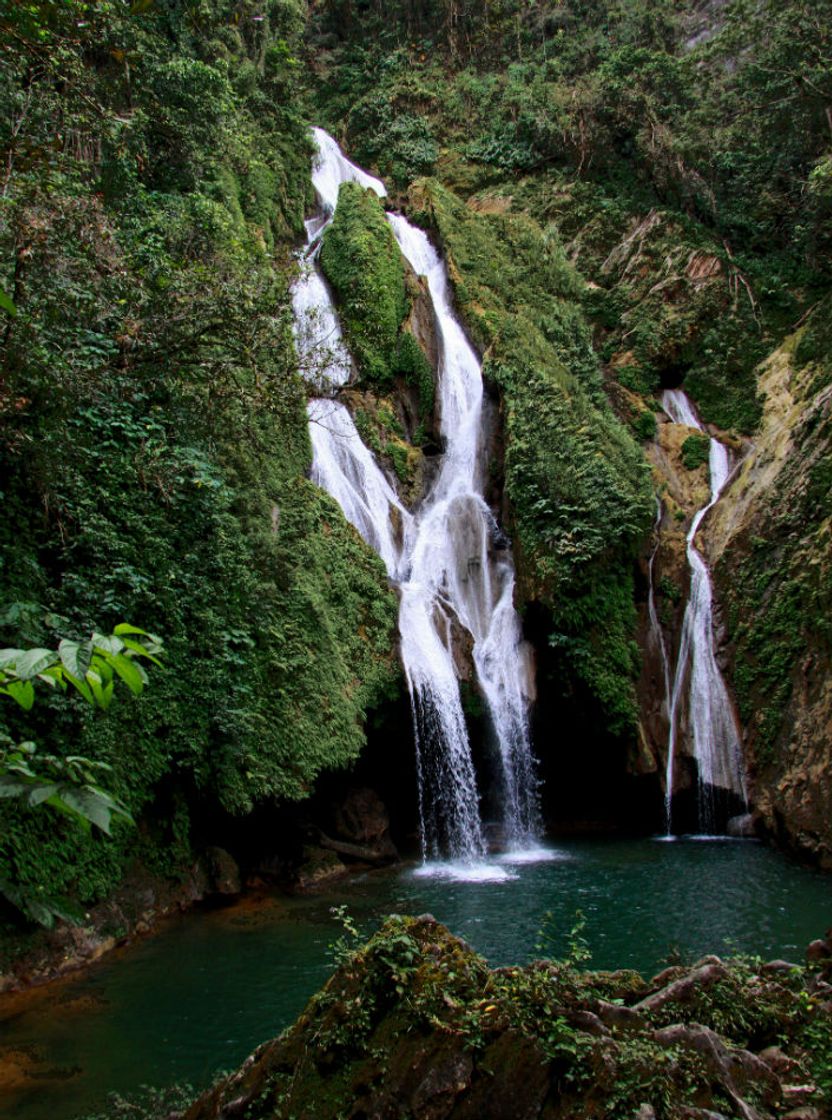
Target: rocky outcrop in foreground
416	1025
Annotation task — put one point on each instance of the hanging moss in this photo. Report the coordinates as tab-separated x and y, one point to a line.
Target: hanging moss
362	262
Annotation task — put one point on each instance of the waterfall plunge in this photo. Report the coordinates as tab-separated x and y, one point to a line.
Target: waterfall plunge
445	557
716	742
454	561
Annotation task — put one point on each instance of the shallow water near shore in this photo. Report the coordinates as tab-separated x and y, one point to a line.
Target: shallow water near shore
198	996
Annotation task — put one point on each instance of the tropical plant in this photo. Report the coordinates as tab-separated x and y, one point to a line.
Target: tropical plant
68	785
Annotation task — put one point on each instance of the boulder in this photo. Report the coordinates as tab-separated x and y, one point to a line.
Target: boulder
319	866
362	817
223	872
687	988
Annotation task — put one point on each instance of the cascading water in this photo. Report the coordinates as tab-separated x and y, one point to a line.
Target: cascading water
446	559
455	567
716	742
341	464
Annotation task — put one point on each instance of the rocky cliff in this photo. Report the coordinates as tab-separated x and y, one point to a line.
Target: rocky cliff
769	540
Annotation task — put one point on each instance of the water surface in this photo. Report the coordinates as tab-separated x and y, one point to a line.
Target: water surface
198	996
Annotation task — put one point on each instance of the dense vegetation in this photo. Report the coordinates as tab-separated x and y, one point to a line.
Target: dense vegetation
630	194
152	426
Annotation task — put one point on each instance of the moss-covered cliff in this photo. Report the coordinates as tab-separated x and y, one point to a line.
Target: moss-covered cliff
678	160
770	539
153	431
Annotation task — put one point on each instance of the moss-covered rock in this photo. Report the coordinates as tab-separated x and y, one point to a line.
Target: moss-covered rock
576	484
362	262
414	1024
770	538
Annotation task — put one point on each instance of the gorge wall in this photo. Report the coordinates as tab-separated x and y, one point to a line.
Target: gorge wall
619	216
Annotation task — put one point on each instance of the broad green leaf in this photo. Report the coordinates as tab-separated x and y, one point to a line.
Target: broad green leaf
12	787
128	672
89	805
125	628
102	667
57	802
82	687
55	676
17	764
84	761
7	304
41	792
34	661
10	657
141	651
75	656
115	807
107	645
23	692
94	681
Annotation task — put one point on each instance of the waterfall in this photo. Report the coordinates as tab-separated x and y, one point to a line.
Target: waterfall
455	565
716	742
448	557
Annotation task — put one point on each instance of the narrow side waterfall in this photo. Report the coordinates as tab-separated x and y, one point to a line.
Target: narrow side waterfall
448	557
716	742
341	464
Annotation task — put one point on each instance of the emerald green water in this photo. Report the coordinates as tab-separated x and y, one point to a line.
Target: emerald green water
197	997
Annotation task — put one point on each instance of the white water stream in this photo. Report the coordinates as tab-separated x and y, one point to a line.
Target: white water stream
715	739
456	581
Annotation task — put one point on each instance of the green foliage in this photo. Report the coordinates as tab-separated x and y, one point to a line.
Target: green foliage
644	426
817	1040
578	486
363	264
153	432
91	667
578	951
695	451
146	1104
6	304
345	945
670	590
69	785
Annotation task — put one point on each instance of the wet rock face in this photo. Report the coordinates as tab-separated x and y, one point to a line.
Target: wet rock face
415	1024
362	816
770	547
